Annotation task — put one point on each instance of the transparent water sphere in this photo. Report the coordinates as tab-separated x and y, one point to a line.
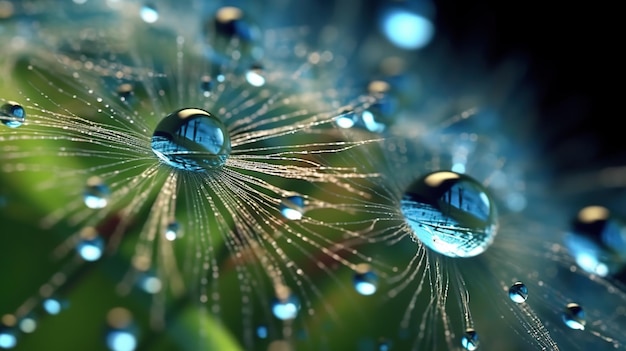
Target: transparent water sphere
90	247
518	292
450	213
365	280
191	139
574	316
96	193
469	340
12	114
292	207
285	305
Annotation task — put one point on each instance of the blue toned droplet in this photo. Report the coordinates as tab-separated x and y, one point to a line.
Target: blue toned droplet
384	345
191	139
469	340
407	28
150	284
121	334
90	246
53	306
286	306
597	240
8	337
256	76
96	194
12	114
172	232
518	292
206	85
574	316
346	119
149	13
231	24
365	280
450	213
262	332
292	207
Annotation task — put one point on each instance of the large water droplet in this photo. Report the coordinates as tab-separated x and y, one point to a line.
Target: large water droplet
597	240
121	335
12	114
450	213
285	305
292	207
90	247
469	340
96	194
574	316
191	139
365	280
518	292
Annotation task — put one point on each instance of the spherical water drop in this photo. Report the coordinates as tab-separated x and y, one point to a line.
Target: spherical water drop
120	335
365	280
285	305
255	76
53	306
597	240
191	139
12	114
149	13
469	340
8	338
450	213
518	292
125	91
292	207
206	86
574	316
96	194
407	28
261	332
346	119
172	231
90	247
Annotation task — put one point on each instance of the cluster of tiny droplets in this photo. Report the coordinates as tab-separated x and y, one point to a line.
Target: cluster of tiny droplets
175	141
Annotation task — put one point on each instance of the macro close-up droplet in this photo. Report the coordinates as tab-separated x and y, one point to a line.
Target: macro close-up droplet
469	340
574	316
365	280
12	114
518	292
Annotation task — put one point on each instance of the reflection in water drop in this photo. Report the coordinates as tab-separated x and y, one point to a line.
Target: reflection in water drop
96	194
518	292
469	340
191	139
12	114
292	207
365	280
574	316
450	213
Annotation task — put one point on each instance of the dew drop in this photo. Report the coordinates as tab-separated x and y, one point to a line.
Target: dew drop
172	232
292	207
53	306
96	194
12	114
346	119
149	13
261	332
597	241
518	292
125	91
574	316
365	280
206	86
230	23
121	335
90	247
256	76
285	305
8	338
450	213
469	341
150	284
191	139
28	324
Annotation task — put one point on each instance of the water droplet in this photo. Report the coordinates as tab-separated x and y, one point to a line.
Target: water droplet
121	335
292	207
27	324
191	139
12	114
149	13
450	213
384	345
365	280
125	91
261	332
150	284
597	241
346	119
285	305
206	86
469	341
90	247
172	232
256	76
406	27
518	292
96	194
8	337
53	306
574	316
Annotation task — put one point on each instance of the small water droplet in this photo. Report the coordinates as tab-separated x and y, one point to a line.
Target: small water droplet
172	232
150	284
12	114
256	76
206	85
262	332
450	213
597	241
518	292
90	247
8	337
346	119
285	305
574	316
365	280
191	139
53	306
384	345
96	194
121	334
469	340
149	13
28	324
125	91
292	207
